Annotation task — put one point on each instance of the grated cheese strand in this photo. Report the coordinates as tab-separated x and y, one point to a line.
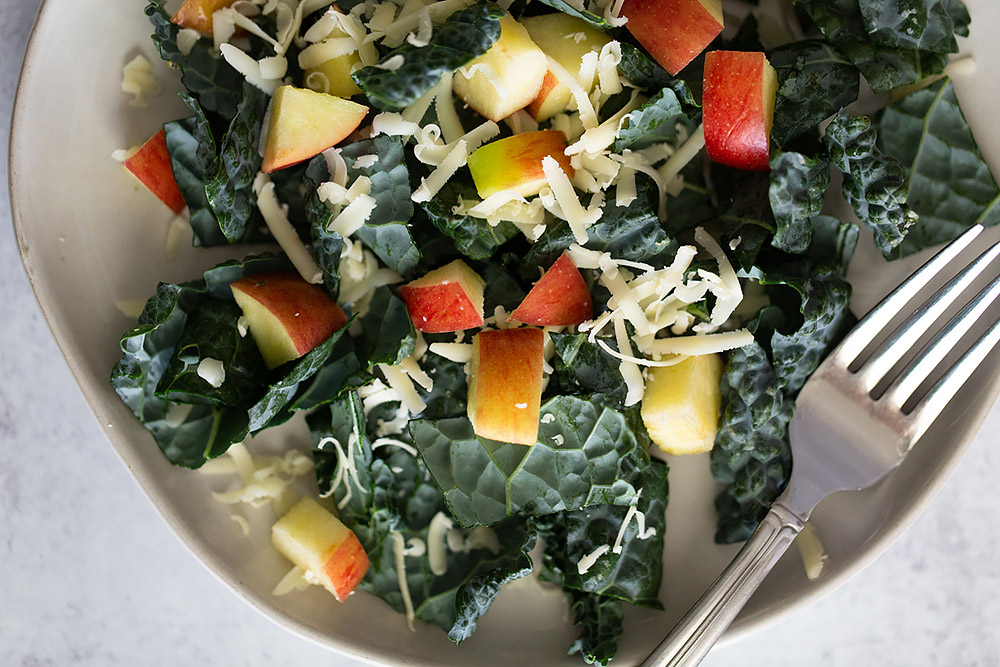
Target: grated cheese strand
588	561
398	549
277	221
436	533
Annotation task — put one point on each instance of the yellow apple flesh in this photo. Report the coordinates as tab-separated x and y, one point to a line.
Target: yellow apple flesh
566	40
681	404
305	123
505	384
446	299
334	76
317	541
286	316
515	163
507	77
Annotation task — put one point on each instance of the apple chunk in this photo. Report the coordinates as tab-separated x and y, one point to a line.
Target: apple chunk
305	123
197	14
560	298
334	75
505	78
505	384
674	31
446	299
739	90
286	316
515	163
566	40
151	165
681	404
317	542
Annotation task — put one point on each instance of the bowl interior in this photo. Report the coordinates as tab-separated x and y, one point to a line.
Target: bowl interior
89	237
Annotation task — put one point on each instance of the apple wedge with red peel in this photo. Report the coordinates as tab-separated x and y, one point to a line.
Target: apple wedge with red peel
559	298
317	542
197	14
151	165
507	77
287	316
446	299
305	123
515	163
673	31
739	89
566	40
505	384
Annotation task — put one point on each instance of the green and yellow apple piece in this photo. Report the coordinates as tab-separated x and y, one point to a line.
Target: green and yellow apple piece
515	162
681	404
287	316
305	123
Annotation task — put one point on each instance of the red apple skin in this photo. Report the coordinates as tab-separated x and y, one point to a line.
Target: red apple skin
197	14
559	298
346	566
447	299
737	113
505	384
306	313
673	31
151	165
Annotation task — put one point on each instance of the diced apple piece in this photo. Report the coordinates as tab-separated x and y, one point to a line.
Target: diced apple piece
334	76
505	78
446	299
151	165
566	40
317	541
559	298
305	123
505	384
739	91
515	163
197	14
286	316
674	31
681	404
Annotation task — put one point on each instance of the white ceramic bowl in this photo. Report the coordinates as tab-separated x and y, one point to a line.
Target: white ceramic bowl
89	237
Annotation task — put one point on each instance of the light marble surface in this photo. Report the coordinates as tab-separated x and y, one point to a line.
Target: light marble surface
90	574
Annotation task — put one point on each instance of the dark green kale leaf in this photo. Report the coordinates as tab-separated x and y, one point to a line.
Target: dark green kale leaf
875	184
951	187
798	184
644	72
205	74
587	368
342	371
833	243
465	35
815	81
230	189
582	14
326	246
191	147
391	493
634	574
751	456
474	237
448	396
386	233
585	455
744	211
628	232
873	37
657	121
601	621
389	335
157	378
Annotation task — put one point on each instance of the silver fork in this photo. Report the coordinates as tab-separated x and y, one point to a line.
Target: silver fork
831	453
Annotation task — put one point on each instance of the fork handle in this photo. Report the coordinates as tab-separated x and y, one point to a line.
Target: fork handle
695	634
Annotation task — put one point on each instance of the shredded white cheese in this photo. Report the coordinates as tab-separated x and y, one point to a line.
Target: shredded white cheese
212	371
276	218
587	562
139	81
398	551
811	551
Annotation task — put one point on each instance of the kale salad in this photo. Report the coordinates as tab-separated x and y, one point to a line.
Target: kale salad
516	248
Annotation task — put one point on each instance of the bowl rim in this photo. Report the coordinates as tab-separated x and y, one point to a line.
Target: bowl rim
743	627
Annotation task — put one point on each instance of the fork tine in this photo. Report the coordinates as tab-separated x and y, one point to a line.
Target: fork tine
937	398
931	357
903	338
880	316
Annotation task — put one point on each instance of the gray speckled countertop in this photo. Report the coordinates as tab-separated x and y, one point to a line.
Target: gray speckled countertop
91	575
